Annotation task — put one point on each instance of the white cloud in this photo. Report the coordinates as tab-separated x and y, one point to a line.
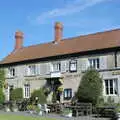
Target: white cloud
68	9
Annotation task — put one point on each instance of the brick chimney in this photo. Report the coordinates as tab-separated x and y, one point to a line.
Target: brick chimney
58	32
19	40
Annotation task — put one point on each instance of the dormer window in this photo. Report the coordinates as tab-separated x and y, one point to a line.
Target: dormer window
73	66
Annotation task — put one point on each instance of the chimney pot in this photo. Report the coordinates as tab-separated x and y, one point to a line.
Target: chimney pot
19	40
58	31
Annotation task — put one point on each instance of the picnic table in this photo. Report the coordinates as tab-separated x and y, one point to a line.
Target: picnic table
81	109
106	111
55	107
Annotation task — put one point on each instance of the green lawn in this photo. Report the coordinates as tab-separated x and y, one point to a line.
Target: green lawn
17	117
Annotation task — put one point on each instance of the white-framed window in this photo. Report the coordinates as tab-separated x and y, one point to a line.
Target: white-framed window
56	67
94	63
27	91
67	94
73	66
31	70
11	72
111	86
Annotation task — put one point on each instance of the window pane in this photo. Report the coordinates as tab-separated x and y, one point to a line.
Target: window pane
98	65
111	86
115	86
106	86
73	65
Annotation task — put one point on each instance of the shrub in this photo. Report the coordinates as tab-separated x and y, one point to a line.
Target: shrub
16	94
40	95
2	78
54	98
90	88
2	97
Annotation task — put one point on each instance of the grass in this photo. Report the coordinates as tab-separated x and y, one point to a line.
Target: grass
18	117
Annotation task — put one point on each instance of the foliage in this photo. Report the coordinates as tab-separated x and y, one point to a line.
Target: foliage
2	78
31	107
40	95
90	88
54	98
16	94
2	97
66	111
2	81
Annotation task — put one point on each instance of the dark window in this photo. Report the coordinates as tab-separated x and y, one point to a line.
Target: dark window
67	94
111	86
73	66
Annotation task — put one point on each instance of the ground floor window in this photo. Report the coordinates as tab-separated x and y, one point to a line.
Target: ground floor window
67	94
26	91
111	86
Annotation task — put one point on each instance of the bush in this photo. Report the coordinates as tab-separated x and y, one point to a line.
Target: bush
16	94
40	95
2	78
90	88
2	97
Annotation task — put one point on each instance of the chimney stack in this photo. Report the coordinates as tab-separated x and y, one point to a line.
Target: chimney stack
19	40
58	31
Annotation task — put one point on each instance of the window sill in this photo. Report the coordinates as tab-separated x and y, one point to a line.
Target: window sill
111	95
30	75
11	77
68	98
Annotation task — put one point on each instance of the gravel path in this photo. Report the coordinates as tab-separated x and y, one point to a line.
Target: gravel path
58	117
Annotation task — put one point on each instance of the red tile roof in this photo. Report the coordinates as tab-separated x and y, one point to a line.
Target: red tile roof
97	41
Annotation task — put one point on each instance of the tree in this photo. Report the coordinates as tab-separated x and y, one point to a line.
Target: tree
16	94
90	88
2	81
2	78
40	95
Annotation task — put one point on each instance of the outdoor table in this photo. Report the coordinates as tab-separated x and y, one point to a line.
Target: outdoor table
106	111
80	110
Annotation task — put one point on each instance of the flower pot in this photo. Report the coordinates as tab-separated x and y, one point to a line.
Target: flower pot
7	109
15	109
117	116
40	113
69	115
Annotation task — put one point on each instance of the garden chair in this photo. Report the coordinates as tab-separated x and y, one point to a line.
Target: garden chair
45	108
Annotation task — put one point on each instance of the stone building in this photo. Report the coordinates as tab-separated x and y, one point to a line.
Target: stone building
59	65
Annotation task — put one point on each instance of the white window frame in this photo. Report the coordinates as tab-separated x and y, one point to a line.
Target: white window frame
73	66
94	63
31	70
109	94
27	91
11	72
56	67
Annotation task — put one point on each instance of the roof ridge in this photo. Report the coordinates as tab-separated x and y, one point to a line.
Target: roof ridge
70	38
85	35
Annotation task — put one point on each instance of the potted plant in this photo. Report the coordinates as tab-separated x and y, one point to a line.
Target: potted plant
14	107
67	112
7	109
31	108
117	111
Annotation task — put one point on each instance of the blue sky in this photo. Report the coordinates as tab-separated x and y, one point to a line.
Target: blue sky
36	19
